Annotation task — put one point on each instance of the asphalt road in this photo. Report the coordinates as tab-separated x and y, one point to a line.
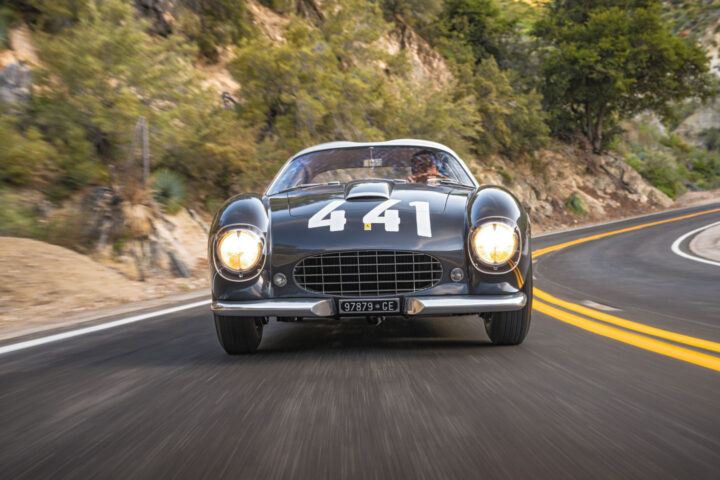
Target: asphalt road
408	399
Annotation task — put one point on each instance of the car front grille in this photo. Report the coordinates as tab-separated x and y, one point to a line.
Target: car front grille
367	273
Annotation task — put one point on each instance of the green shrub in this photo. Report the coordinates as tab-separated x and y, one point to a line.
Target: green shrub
99	73
675	143
506	177
20	217
7	20
575	204
711	138
169	190
212	203
281	6
668	162
512	122
214	23
24	156
664	174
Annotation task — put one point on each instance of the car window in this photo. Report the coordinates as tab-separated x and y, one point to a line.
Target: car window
411	164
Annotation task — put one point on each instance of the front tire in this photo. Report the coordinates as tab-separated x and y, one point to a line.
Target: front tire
511	328
239	334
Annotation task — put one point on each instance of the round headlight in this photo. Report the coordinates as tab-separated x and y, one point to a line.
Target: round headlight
494	243
240	250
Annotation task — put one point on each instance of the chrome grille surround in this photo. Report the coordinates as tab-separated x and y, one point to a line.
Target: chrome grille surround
367	273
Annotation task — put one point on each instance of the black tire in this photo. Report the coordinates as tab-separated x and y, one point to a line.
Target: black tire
511	328
239	334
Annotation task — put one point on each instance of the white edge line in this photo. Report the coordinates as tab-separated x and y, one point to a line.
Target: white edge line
676	246
620	220
97	328
145	316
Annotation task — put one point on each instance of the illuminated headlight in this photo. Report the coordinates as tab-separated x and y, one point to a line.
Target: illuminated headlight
239	250
494	243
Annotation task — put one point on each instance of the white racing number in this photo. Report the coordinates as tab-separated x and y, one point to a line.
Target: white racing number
336	222
391	219
380	214
422	218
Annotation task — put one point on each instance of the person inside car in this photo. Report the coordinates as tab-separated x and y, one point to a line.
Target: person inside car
424	166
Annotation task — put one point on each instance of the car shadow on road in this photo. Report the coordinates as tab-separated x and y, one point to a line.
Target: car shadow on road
194	343
356	334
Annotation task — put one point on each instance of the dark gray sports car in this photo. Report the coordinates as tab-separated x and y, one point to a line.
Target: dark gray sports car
397	228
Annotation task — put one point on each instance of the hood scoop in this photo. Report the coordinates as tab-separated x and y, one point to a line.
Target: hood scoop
363	190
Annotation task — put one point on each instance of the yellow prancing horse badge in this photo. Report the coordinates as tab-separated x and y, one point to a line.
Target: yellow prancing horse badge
368	226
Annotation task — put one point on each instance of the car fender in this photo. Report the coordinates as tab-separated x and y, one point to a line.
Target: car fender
244	209
494	201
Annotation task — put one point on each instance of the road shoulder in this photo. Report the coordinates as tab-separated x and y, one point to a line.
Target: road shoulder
706	244
14	331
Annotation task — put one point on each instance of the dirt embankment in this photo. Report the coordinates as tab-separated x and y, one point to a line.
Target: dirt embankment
43	285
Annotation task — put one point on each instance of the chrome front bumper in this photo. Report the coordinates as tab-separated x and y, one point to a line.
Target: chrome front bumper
464	304
312	307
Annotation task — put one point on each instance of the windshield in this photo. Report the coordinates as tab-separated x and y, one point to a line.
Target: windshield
410	164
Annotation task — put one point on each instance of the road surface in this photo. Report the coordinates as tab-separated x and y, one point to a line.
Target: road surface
414	399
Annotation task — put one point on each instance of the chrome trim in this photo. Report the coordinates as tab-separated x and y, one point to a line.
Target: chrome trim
464	304
291	307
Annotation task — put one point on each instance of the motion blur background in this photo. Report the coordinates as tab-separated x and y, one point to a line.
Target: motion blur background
125	124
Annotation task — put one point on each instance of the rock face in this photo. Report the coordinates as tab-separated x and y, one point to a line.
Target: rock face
15	83
427	65
135	238
705	117
104	219
22	45
270	23
606	184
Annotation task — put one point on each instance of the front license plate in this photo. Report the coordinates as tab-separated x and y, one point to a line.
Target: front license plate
370	305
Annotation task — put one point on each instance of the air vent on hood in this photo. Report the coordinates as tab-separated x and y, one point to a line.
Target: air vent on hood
367	190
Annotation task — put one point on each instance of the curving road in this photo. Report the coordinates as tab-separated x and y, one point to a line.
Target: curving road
409	399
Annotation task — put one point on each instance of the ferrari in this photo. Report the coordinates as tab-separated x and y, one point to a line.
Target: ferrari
376	230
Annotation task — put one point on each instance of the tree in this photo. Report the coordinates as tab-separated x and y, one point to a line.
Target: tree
332	83
416	12
608	60
480	24
103	72
512	122
214	23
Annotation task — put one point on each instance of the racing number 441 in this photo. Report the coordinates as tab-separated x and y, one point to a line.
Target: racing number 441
330	216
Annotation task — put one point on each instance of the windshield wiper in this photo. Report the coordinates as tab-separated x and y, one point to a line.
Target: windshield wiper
449	181
306	185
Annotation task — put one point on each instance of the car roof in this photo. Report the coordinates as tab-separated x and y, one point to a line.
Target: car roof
401	142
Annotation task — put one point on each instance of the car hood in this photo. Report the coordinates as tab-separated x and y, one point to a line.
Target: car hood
292	237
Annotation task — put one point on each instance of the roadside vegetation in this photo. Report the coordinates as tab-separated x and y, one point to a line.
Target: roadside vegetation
667	161
523	76
575	204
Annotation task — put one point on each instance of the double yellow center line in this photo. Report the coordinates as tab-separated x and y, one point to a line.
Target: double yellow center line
645	333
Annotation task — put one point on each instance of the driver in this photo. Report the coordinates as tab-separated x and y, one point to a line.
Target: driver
424	166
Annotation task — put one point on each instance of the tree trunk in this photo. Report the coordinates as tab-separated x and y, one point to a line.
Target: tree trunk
598	134
589	130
